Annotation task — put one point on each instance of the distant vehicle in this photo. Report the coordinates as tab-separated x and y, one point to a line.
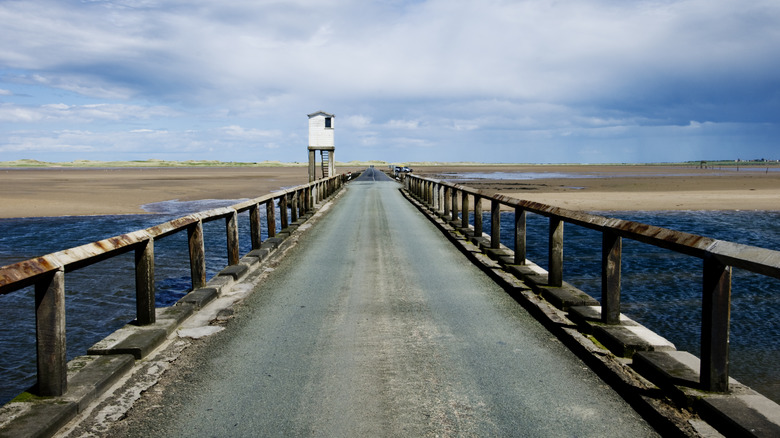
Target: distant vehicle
407	169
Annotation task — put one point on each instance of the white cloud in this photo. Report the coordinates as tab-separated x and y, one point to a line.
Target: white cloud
240	132
215	74
81	113
403	124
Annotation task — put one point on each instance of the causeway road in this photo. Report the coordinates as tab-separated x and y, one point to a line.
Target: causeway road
375	325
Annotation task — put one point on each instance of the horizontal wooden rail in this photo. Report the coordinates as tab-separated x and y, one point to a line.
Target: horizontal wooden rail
719	257
47	273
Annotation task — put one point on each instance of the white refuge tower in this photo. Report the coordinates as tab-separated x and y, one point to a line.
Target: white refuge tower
321	139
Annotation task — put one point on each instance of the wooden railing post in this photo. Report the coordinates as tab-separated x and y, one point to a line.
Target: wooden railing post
715	318
477	216
197	255
270	217
555	243
50	334
454	209
231	228
254	226
611	253
294	207
520	236
495	224
283	211
144	283
464	223
436	197
447	196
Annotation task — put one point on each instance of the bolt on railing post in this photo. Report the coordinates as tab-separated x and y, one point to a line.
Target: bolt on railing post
270	217
197	255
465	209
50	334
495	224
520	236
144	283
283	211
555	243
611	254
254	226
477	216
716	313
231	229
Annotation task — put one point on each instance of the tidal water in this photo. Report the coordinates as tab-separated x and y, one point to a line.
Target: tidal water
661	289
99	298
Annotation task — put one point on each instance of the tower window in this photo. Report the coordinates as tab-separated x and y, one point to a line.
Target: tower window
327	122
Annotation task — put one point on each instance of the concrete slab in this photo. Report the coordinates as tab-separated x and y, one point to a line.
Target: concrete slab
566	296
271	243
220	282
91	376
745	415
40	418
168	318
138	342
624	341
234	271
585	316
199	297
668	368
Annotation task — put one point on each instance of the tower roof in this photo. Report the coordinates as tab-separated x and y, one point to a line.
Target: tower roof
321	112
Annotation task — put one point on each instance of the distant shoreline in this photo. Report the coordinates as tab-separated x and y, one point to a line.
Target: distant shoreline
631	187
80	191
86	164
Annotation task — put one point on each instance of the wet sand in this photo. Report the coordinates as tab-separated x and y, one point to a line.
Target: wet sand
47	192
73	191
646	188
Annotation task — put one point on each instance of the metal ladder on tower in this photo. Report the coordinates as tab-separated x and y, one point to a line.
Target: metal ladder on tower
325	163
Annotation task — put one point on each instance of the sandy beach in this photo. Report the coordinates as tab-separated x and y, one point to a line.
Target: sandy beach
42	192
629	187
47	192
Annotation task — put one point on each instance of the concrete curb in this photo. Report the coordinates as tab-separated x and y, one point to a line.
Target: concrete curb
116	356
642	366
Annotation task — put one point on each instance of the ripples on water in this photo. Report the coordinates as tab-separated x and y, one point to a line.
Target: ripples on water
99	298
661	289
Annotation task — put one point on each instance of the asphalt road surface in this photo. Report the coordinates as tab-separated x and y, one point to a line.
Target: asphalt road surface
374	325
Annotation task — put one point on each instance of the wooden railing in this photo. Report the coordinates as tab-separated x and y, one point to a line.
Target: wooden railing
719	257
47	273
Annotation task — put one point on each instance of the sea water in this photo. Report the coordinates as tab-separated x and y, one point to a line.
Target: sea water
661	289
100	298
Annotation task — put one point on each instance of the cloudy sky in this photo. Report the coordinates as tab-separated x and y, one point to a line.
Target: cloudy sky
532	81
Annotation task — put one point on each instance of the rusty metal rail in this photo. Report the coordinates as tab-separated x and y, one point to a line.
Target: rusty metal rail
719	257
47	273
